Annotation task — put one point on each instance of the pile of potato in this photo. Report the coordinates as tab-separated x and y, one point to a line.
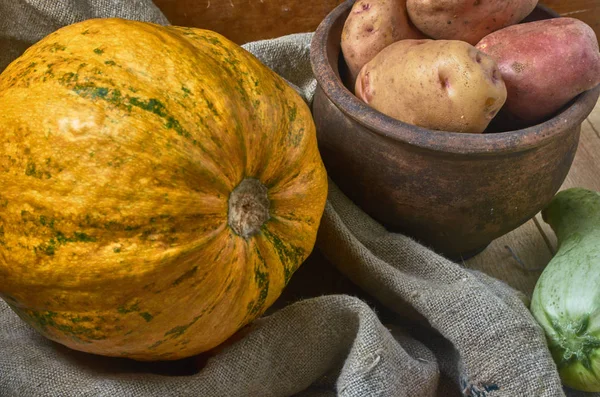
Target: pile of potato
452	65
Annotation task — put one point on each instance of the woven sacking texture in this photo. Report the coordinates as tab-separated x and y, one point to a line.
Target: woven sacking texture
462	332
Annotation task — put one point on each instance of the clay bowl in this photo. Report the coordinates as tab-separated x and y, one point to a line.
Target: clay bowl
452	192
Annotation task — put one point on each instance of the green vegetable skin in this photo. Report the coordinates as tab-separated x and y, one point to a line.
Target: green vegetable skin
566	298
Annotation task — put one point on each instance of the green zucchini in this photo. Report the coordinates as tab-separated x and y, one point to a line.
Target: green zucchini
566	298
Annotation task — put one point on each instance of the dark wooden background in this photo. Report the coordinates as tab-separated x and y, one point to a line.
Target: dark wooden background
248	20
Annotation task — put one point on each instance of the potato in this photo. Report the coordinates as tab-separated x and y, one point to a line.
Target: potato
466	20
371	26
544	64
440	84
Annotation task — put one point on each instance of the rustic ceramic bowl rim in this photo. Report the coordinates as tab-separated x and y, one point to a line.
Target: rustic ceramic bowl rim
449	142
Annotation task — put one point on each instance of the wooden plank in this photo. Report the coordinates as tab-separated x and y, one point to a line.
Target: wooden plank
586	10
516	258
248	20
585	171
594	118
534	243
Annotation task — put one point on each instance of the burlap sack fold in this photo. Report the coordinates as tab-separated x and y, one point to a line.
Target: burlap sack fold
457	331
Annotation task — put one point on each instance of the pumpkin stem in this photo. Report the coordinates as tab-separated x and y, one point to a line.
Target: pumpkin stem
248	207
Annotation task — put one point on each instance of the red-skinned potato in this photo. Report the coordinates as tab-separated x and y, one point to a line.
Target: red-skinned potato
371	26
445	85
466	20
544	64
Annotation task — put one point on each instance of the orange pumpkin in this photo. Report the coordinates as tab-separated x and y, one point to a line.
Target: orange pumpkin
159	187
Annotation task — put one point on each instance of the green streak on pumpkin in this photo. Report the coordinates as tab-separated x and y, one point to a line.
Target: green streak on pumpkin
279	86
49	248
212	40
133	308
98	51
40	319
212	308
43	320
85	32
186	90
232	62
80	319
292	114
92	91
82	237
45	222
80	333
241	90
146	233
110	63
156	344
147	316
57	47
176	332
261	278
32	171
151	105
77	237
190	273
68	77
295	137
173	124
211	106
291	256
292	216
229	285
46	248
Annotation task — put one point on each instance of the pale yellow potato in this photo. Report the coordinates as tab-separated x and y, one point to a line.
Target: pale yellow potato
445	85
371	26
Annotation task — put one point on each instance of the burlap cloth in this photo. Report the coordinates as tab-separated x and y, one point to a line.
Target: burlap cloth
409	323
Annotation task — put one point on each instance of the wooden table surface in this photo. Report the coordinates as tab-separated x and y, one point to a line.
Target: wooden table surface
519	256
248	20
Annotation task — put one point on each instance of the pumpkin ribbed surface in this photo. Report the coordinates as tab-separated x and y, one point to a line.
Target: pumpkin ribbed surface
158	188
